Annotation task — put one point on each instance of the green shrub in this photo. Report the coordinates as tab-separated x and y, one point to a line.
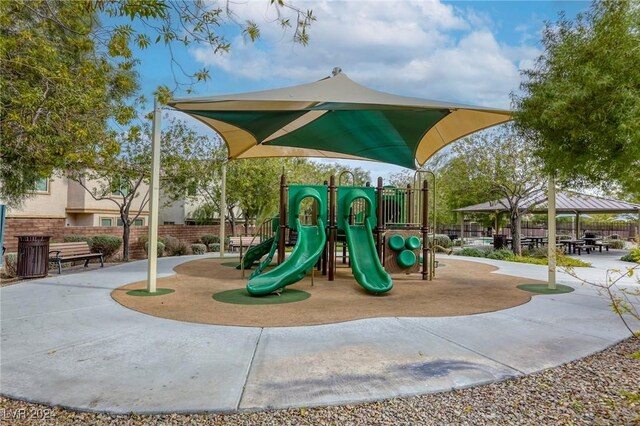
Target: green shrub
108	245
214	247
564	237
208	239
11	264
502	254
441	240
78	238
173	246
170	243
198	248
561	260
159	249
632	256
473	252
615	243
536	252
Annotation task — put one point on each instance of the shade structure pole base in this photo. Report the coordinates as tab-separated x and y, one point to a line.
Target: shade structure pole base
551	253
223	206
154	188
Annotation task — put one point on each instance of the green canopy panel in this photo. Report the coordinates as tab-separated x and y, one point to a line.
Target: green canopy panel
337	118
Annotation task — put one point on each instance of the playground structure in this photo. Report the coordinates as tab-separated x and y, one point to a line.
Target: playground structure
385	230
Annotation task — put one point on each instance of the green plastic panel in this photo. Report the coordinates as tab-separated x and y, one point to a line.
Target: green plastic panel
406	259
412	243
297	193
368	193
396	242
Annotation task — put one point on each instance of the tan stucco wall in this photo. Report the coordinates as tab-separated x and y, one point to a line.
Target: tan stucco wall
45	205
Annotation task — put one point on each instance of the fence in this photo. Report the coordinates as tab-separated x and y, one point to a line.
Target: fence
625	230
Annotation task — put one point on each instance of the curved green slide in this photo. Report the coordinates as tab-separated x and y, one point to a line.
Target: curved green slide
308	248
267	261
365	264
256	252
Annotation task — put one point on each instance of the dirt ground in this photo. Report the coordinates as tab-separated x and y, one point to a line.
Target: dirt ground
460	288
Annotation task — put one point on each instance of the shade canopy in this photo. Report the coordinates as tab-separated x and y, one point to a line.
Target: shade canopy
337	118
566	202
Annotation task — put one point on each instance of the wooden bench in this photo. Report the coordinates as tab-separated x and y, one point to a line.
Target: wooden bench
240	242
600	244
71	252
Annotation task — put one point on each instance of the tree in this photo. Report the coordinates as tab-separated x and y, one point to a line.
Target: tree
581	101
68	73
123	178
57	96
495	164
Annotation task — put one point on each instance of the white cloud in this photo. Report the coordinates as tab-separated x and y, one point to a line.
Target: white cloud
425	49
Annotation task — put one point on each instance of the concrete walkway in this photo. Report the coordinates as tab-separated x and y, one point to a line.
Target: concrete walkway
64	341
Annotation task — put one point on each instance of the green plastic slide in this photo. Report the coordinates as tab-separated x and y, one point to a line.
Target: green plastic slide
365	264
256	252
308	248
269	258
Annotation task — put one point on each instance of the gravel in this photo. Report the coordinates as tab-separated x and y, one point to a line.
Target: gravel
602	389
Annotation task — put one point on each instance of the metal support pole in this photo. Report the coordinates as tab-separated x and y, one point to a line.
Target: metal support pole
427	253
461	229
551	217
577	223
380	224
223	206
332	228
283	218
154	199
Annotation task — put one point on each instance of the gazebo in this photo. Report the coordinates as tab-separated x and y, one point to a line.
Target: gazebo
570	202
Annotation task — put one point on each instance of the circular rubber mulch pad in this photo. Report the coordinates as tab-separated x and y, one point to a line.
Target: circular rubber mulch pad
240	296
544	288
145	293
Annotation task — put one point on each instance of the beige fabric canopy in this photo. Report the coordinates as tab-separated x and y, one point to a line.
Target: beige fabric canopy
337	118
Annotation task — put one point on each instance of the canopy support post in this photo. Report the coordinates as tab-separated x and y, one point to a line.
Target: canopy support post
461	229
282	229
223	207
551	217
152	265
577	225
332	228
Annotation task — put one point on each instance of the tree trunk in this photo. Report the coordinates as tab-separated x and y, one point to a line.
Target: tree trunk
126	230
515	233
232	221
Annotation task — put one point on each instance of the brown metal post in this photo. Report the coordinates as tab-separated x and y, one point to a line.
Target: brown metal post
326	244
409	206
332	228
426	269
379	225
283	218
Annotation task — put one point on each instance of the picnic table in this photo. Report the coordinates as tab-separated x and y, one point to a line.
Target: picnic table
574	245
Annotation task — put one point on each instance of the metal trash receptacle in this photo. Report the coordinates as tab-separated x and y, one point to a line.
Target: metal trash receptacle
33	256
499	241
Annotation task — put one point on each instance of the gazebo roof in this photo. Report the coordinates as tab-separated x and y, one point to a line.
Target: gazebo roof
566	202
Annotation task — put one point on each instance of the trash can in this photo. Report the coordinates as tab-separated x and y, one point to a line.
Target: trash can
33	256
499	241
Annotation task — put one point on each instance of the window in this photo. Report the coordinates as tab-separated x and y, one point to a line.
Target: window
42	185
136	222
106	221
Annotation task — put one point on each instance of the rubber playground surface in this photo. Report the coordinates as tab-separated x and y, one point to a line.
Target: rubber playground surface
461	288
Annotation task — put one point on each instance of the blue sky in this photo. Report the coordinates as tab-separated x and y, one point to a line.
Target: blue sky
460	51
